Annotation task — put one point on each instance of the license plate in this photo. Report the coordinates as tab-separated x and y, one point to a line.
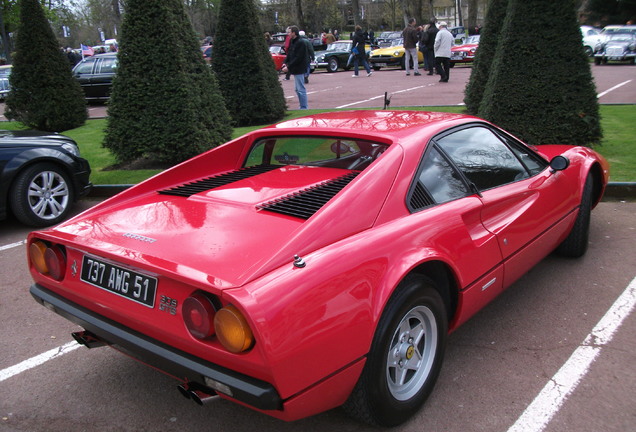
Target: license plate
127	283
379	64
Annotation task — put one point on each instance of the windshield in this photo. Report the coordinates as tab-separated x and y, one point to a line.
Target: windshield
626	37
329	152
339	46
472	39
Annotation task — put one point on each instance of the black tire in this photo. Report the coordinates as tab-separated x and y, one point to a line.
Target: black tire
597	61
332	64
41	195
575	244
377	68
589	51
451	65
405	357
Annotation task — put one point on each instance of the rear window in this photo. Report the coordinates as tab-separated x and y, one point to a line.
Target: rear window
315	151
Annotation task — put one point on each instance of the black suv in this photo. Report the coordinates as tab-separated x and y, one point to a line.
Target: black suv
95	75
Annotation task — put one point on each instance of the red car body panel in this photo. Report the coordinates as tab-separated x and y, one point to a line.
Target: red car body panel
467	51
313	326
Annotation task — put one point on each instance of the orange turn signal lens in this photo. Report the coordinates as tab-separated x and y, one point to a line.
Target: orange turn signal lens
36	254
232	330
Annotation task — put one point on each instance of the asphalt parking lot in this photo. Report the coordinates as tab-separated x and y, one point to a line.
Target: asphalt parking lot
547	329
555	352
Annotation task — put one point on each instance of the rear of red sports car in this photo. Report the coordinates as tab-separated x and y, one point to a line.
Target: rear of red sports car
193	271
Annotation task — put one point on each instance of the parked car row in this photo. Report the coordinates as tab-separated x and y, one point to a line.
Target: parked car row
600	43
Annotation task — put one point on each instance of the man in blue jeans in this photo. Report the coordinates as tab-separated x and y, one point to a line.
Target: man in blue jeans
296	63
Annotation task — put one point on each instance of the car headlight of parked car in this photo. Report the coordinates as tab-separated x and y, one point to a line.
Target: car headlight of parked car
71	148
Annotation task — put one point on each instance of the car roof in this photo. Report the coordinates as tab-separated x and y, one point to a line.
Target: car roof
390	125
619	29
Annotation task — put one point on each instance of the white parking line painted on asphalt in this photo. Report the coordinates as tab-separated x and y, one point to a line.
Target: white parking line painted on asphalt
12	245
539	413
612	89
382	96
38	360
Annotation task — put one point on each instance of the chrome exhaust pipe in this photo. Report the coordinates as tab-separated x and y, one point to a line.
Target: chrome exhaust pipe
198	393
88	339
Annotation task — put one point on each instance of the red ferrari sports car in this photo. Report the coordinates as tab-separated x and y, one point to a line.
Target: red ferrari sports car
317	262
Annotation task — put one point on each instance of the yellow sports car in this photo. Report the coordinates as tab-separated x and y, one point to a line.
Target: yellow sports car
391	56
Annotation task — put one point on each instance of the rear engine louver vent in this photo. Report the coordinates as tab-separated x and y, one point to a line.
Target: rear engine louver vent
206	184
420	198
303	204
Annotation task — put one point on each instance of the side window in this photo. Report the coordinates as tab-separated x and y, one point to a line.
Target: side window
109	65
85	67
442	182
533	163
483	158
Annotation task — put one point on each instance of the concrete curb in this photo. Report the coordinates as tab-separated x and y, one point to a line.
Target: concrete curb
614	191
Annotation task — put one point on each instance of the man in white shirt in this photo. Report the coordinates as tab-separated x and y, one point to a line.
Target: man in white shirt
443	43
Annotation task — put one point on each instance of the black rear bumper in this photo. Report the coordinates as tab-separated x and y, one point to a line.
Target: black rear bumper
256	393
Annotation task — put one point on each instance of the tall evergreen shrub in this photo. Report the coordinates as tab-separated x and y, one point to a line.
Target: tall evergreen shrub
165	103
244	66
44	95
484	56
541	87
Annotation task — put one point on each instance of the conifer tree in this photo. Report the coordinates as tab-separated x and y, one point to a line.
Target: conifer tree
541	87
244	66
165	103
483	57
44	93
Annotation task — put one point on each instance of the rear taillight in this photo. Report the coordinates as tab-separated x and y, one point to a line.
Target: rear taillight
204	318
49	260
198	314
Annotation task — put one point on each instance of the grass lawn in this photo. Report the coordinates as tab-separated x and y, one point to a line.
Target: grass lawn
618	145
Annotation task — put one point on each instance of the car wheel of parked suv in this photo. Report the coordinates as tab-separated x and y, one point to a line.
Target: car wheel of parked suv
41	195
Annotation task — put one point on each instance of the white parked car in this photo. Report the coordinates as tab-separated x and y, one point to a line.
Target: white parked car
591	37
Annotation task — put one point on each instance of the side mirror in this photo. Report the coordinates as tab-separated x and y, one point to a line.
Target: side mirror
559	163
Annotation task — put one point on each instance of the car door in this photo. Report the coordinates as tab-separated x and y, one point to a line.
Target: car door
83	73
447	214
524	203
102	80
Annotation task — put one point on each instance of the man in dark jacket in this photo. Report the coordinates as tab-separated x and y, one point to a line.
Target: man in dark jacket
428	38
410	37
296	63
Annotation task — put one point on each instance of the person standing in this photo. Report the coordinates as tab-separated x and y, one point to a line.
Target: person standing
310	52
443	44
359	52
286	46
410	36
431	33
296	63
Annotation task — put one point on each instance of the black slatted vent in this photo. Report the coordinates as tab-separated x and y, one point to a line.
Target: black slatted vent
216	181
303	204
420	198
